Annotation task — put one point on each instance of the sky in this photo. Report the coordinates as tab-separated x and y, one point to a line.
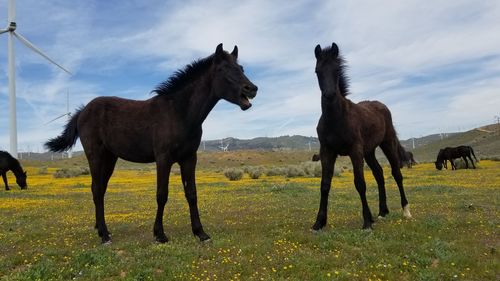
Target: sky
436	65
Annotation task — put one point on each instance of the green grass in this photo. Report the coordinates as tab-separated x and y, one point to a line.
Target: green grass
260	229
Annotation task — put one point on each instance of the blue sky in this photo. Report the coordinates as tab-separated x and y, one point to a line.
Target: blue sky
436	66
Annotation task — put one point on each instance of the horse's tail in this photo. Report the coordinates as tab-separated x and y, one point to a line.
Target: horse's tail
472	151
68	137
403	156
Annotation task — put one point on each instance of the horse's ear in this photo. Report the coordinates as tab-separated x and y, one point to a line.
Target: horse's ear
219	52
335	50
234	53
25	173
317	51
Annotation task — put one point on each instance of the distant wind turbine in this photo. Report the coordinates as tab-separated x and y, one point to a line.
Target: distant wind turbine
11	29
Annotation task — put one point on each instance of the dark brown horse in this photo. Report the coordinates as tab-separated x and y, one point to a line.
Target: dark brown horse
9	163
165	129
355	130
408	160
450	153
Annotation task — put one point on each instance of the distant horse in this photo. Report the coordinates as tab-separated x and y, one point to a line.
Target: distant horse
9	163
408	160
346	128
450	153
165	129
315	158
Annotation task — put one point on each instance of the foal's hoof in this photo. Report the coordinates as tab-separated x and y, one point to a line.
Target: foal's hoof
317	227
106	241
204	237
406	212
161	239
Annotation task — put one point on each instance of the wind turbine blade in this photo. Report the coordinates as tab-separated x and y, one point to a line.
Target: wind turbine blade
58	117
12	11
38	51
3	30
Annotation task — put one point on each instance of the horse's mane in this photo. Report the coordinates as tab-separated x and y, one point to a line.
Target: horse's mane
181	77
343	78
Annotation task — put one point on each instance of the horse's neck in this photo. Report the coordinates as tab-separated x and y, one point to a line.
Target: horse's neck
197	101
335	109
15	167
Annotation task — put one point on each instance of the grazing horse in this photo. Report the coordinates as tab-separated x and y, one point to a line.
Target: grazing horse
165	129
355	130
9	163
315	158
450	153
408	160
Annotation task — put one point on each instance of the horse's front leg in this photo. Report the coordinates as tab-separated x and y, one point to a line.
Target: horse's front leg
163	168
188	167
4	176
327	165
359	182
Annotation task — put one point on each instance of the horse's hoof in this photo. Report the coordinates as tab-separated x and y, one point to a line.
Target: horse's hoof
162	239
316	231
380	217
206	241
406	212
106	243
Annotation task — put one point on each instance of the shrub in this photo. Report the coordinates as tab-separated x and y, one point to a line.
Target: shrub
233	174
42	171
311	169
254	172
275	171
71	172
293	171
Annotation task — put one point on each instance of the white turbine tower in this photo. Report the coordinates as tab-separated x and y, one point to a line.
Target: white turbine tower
11	29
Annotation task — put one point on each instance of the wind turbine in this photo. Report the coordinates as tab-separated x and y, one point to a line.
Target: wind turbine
11	30
68	114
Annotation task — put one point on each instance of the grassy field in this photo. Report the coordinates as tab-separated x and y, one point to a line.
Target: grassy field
260	229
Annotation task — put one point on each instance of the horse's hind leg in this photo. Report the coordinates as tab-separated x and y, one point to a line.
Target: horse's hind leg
392	155
472	162
4	176
188	167
378	174
163	168
466	162
101	168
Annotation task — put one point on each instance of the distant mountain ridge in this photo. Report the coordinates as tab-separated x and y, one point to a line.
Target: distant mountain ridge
485	141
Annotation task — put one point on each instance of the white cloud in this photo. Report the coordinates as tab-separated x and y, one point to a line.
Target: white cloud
388	46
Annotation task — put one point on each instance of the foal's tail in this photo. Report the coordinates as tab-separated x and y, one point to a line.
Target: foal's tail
472	151
403	156
68	137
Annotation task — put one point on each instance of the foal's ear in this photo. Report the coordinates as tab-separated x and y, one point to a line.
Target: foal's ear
234	53
219	52
317	51
335	50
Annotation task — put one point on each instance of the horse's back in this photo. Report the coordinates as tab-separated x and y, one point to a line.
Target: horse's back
122	125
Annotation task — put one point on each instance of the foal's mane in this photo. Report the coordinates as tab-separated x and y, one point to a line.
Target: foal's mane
184	76
343	78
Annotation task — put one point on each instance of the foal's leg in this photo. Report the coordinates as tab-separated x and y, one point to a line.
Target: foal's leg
163	168
4	176
101	168
188	167
378	174
359	182
453	167
391	154
327	165
472	162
